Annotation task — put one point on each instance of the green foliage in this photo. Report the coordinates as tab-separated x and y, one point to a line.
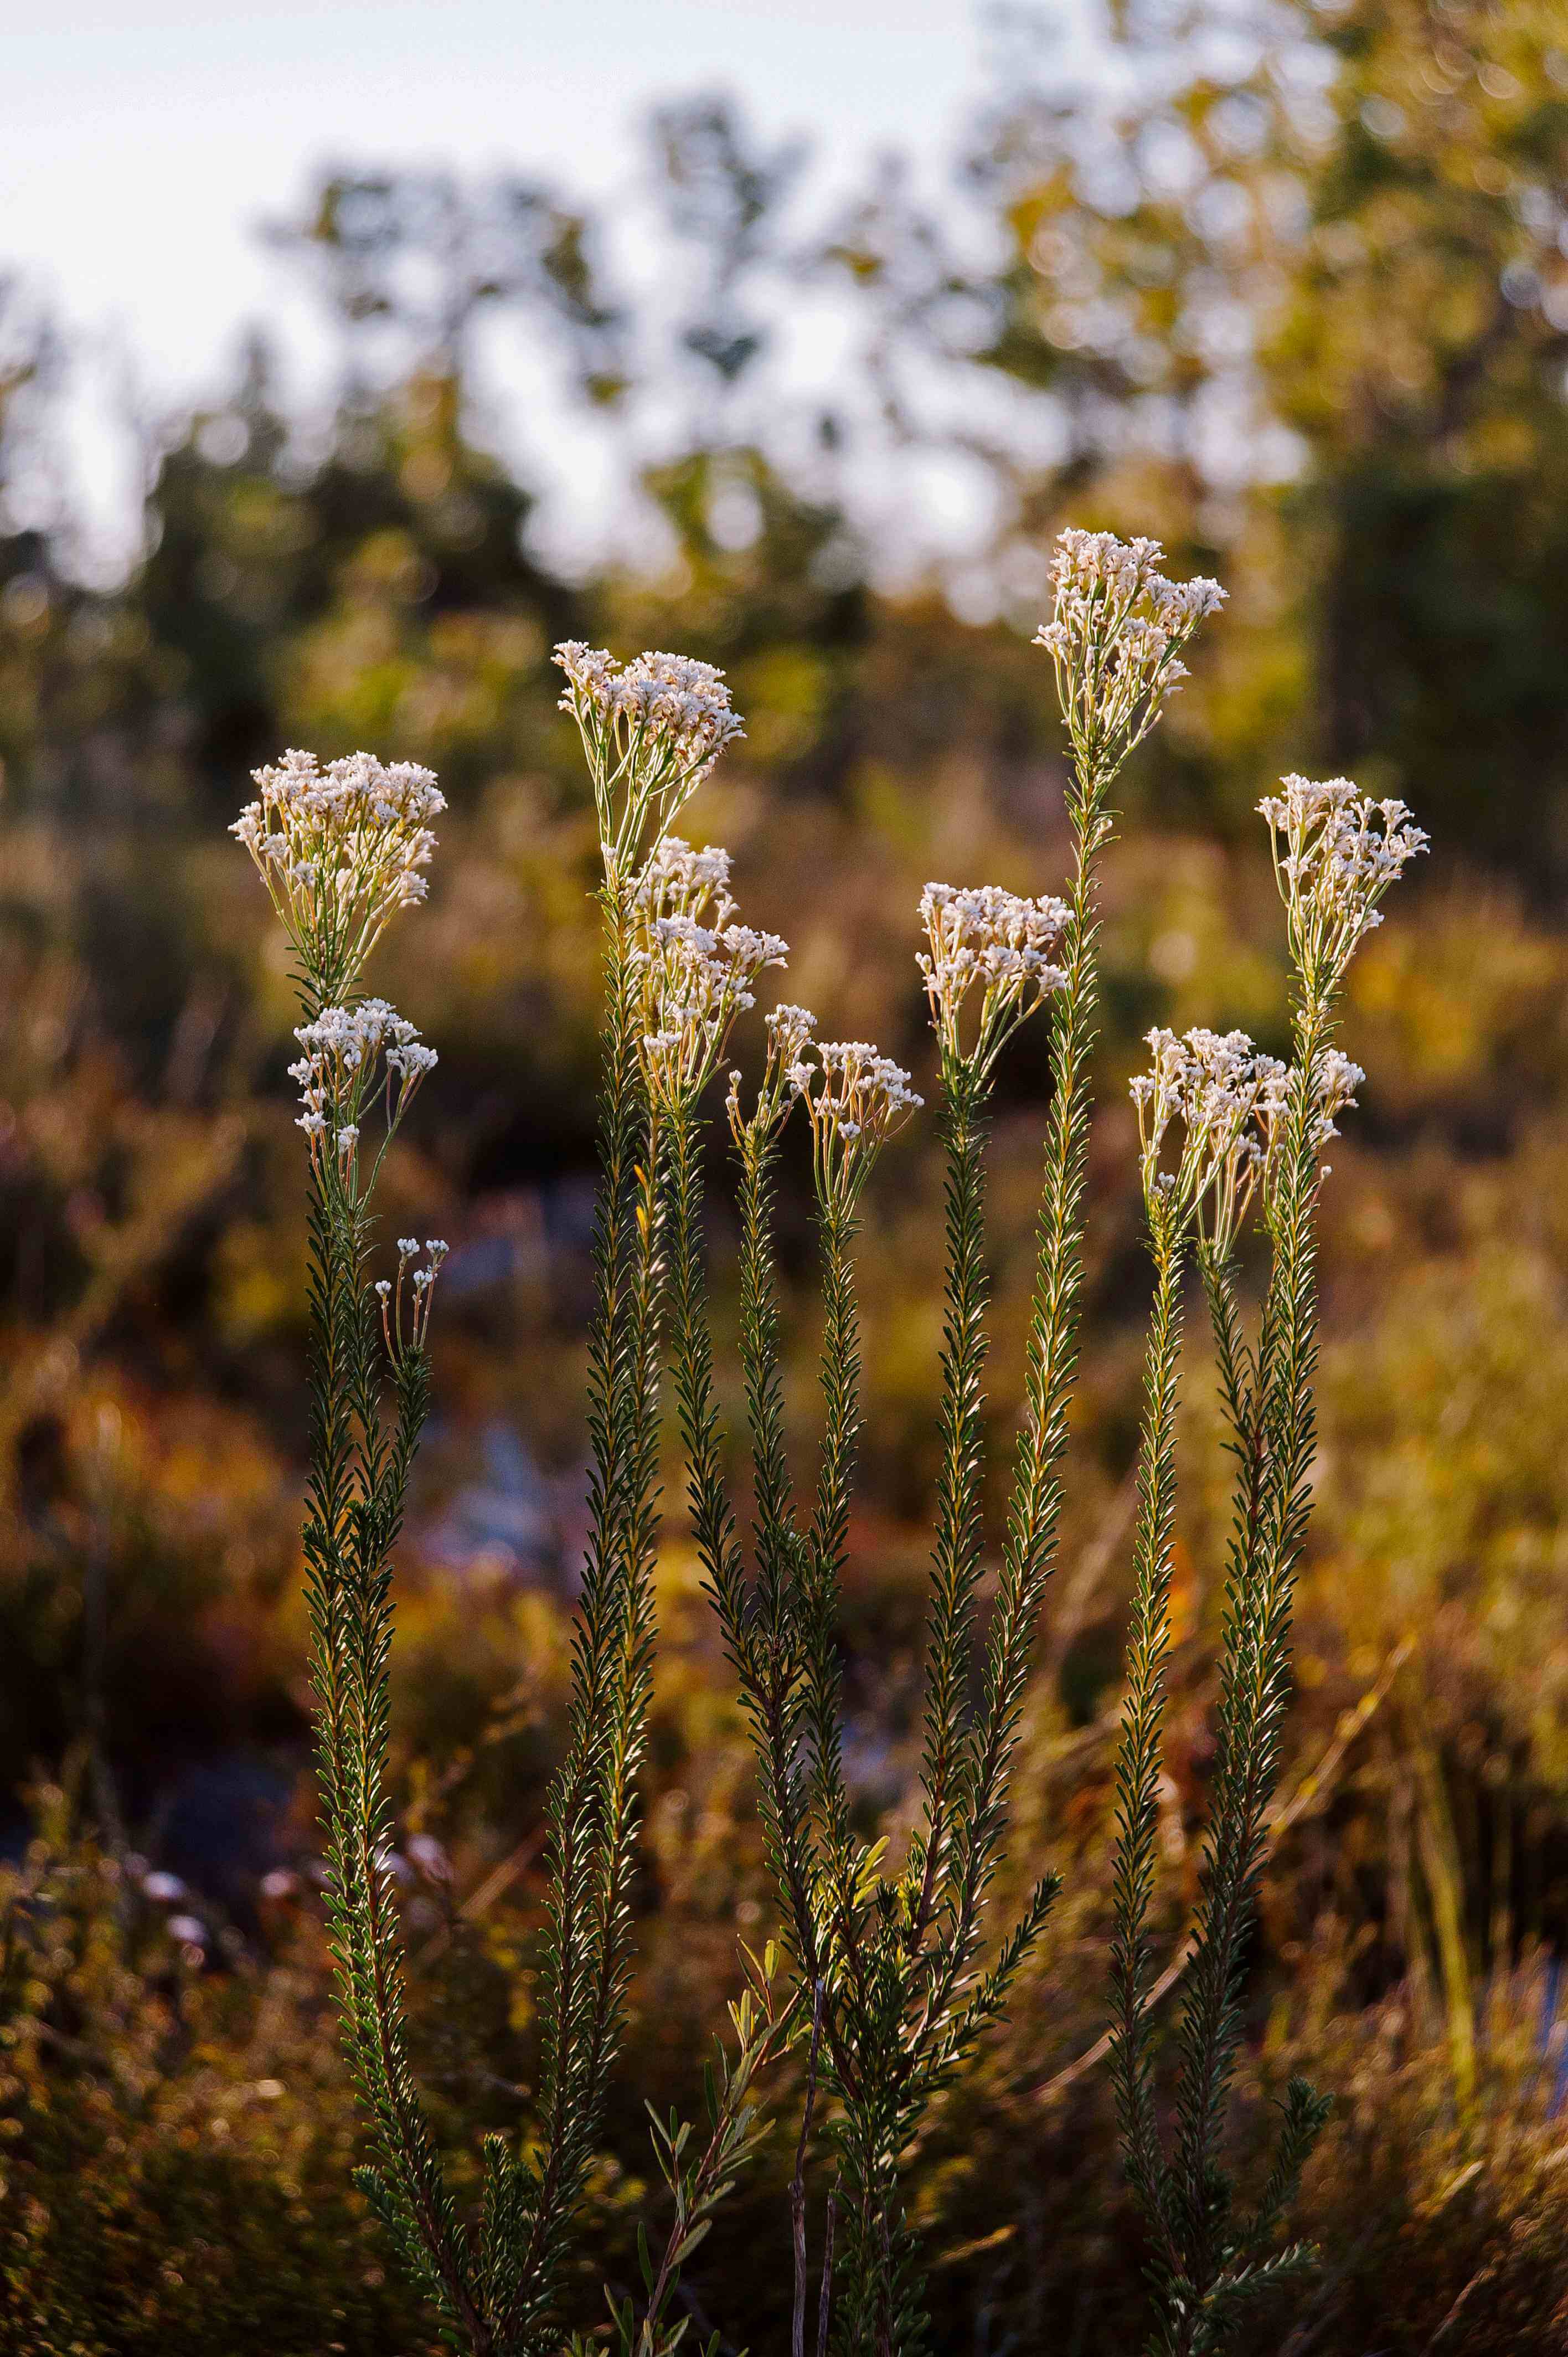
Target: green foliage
177	2149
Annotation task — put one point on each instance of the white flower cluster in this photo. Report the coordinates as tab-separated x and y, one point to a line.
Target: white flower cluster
651	730
400	1336
995	943
687	700
855	1100
1227	1100
1335	853
698	967
677	881
350	1051
1338	1081
1335	1083
340	850
697	981
1116	637
789	1033
1231	1104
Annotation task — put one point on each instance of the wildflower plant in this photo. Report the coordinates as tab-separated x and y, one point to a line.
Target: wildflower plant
892	1965
1226	1132
893	1985
339	851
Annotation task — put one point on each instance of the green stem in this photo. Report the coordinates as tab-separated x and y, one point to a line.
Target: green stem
957	1552
354	1513
1272	1503
592	1805
1050	1364
1140	1749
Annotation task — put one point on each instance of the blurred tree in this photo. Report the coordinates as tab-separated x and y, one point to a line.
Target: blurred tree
431	257
1313	257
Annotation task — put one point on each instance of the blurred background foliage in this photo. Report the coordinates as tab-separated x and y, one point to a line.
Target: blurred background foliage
1287	285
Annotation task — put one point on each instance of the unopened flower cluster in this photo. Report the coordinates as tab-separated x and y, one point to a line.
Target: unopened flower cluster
652	729
698	968
993	943
1116	637
340	850
1335	853
350	1051
408	1329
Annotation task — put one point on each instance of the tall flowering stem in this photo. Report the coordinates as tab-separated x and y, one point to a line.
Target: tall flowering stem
1252	1134
651	732
340	850
1115	636
591	1809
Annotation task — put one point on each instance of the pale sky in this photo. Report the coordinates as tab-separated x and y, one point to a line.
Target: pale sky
142	141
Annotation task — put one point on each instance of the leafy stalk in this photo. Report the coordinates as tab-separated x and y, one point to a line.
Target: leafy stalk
1050	1364
1251	1129
355	1497
956	1557
591	1811
1273	1421
1138	1761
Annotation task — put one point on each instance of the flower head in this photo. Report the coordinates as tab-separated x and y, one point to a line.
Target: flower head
1335	1083
1116	637
1335	853
340	850
697	968
989	944
1219	1092
855	1100
351	1054
1233	1108
677	881
789	1033
651	730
